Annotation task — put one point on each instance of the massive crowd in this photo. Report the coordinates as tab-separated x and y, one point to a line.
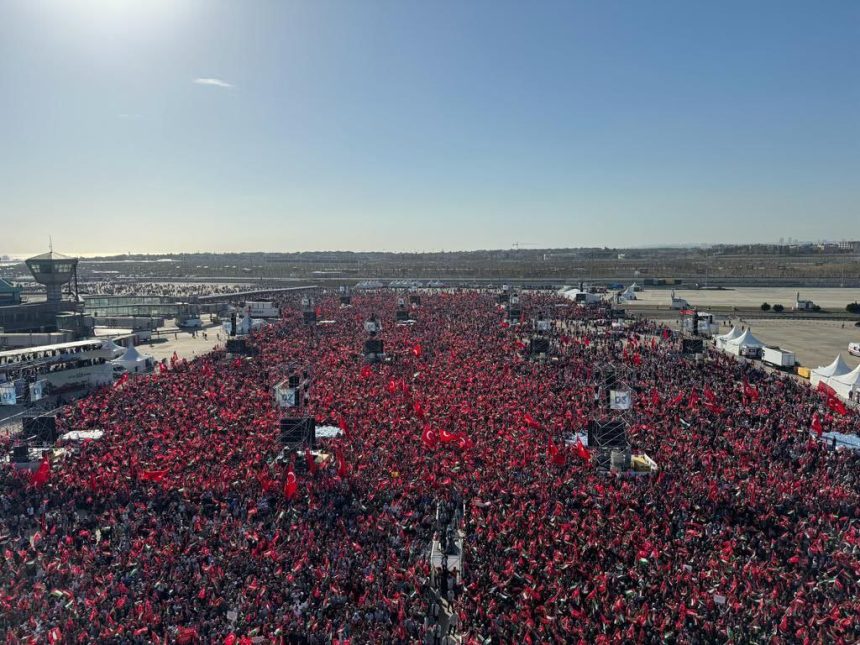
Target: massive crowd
182	525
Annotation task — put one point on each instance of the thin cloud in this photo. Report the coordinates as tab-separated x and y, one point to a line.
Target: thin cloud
214	82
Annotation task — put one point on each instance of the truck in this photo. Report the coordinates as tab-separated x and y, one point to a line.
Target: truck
778	357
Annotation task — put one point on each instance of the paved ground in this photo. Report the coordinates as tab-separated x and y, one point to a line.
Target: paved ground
184	343
815	342
832	299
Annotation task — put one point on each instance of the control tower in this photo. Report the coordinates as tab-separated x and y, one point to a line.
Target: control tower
54	270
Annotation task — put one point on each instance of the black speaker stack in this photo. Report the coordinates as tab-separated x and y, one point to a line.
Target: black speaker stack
298	430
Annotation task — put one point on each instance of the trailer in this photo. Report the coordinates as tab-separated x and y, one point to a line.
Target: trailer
778	357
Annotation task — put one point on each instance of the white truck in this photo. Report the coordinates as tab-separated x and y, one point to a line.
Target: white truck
778	357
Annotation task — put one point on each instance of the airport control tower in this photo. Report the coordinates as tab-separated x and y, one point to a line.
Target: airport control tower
54	270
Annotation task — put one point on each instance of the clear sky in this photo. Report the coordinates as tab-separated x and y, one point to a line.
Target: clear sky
174	125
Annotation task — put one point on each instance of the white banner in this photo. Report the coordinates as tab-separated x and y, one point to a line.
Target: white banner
37	390
7	394
620	399
285	397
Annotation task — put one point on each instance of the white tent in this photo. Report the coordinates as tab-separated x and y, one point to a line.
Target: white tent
629	293
846	384
837	368
746	340
115	350
133	361
725	338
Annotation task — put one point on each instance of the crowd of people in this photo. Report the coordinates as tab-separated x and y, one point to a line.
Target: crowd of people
186	523
183	290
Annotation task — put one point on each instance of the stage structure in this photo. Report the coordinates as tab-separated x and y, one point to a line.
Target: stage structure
345	297
402	313
608	436
309	314
513	309
539	345
374	348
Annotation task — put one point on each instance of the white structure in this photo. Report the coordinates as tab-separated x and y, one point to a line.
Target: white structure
802	305
837	368
581	297
725	338
706	325
679	303
115	350
854	349
133	361
262	309
628	294
744	345
847	385
778	357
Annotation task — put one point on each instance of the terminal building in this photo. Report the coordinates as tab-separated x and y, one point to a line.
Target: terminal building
59	312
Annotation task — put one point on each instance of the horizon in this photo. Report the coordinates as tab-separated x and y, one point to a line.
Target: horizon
361	126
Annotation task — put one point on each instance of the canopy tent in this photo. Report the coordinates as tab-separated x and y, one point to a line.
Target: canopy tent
745	340
846	384
837	368
725	338
133	361
629	293
110	346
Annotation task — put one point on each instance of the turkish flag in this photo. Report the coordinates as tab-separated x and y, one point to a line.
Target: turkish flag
582	451
366	371
153	475
836	405
43	472
530	421
816	424
428	436
309	460
291	486
448	437
416	350
342	468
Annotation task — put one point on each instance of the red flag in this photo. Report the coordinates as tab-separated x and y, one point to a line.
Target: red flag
823	387
428	436
448	437
418	409
582	451
694	399
342	468
556	456
153	475
530	421
366	371
836	405
677	400
749	391
309	460
416	350
709	394
43	472
291	486
655	396
816	424
391	386
637	360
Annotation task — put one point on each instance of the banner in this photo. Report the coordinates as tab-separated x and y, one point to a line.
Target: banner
7	394
620	400
37	390
285	397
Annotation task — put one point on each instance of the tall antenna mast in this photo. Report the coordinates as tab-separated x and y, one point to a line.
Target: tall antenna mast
50	244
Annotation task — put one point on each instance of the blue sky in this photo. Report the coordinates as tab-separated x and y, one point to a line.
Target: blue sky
402	125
